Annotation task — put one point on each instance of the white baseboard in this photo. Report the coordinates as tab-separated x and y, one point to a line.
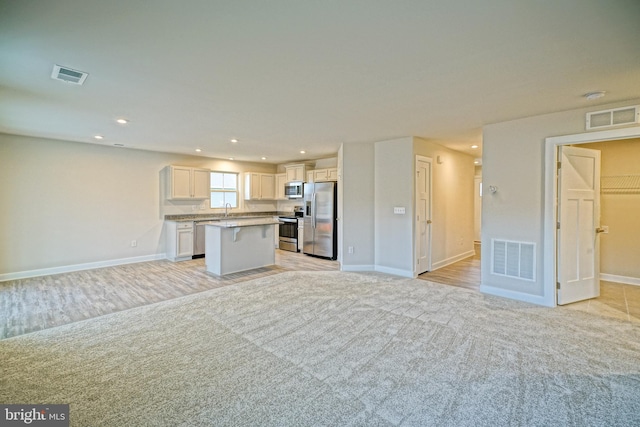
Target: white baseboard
387	270
518	296
395	271
79	267
620	279
451	260
357	268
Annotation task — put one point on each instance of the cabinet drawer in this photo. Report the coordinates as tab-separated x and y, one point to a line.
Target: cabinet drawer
184	225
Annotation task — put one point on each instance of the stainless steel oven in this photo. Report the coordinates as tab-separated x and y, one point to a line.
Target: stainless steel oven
288	233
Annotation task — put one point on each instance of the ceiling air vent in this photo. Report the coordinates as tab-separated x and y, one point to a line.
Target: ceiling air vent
68	75
614	117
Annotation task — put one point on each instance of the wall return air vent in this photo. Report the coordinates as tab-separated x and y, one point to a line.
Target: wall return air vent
615	117
513	259
68	75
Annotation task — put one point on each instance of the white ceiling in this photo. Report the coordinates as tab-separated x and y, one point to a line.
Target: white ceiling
284	76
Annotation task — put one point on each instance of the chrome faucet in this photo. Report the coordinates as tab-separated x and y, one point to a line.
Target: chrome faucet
226	212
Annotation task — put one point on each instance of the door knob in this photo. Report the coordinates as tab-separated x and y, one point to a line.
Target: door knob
600	230
428	221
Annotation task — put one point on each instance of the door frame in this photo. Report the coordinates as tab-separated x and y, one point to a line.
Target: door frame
550	243
416	233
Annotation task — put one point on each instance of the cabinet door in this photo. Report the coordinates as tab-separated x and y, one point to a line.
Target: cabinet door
295	173
332	174
281	179
252	186
320	175
267	186
180	182
184	241
201	183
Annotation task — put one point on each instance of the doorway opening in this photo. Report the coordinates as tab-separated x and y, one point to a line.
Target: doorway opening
550	260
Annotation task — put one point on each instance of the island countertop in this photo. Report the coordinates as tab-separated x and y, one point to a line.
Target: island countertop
233	245
248	222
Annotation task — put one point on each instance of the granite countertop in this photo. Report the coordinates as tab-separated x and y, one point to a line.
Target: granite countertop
220	216
249	222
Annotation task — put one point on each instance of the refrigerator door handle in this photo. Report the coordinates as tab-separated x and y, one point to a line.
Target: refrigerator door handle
315	209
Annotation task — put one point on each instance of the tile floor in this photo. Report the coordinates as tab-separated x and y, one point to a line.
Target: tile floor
617	300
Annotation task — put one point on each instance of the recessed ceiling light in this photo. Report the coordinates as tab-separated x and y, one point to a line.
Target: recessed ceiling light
98	137
234	140
122	121
230	158
594	95
263	158
474	146
198	150
302	151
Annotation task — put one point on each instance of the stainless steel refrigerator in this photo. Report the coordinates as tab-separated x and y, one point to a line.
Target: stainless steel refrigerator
320	230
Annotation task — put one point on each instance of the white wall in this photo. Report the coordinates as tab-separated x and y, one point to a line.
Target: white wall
513	160
356	204
67	203
394	187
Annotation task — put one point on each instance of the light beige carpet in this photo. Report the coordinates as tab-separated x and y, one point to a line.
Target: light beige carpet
332	349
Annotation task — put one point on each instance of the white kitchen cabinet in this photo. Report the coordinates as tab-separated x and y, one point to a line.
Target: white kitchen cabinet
281	179
309	176
179	240
184	183
330	174
259	186
295	172
300	234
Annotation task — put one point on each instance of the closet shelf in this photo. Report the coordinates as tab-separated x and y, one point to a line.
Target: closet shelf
620	184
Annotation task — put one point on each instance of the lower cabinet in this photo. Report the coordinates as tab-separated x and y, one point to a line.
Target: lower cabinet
179	240
300	235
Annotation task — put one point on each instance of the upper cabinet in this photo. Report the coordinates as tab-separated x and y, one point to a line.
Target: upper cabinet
259	186
295	172
318	175
186	183
281	180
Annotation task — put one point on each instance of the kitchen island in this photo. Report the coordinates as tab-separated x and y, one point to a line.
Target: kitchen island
238	245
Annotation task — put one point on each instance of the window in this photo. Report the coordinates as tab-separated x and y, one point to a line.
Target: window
224	189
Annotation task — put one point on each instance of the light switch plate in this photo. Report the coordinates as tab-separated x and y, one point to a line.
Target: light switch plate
398	210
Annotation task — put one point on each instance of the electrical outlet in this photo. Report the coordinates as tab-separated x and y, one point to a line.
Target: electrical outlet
134	243
350	249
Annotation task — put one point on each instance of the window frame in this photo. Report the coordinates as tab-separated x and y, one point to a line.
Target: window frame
223	190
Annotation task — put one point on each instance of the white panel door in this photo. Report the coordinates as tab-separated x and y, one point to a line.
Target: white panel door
578	257
423	215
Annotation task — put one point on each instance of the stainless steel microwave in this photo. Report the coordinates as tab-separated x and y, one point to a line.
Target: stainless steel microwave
294	190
